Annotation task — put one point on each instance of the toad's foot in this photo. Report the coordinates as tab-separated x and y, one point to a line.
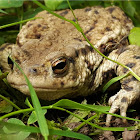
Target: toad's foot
120	101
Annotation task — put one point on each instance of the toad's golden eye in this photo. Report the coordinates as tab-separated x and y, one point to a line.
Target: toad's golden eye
60	66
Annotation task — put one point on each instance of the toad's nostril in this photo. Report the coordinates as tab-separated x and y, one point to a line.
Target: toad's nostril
33	70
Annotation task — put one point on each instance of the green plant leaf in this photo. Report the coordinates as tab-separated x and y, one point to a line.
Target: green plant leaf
129	8
5	107
53	4
10	3
33	118
134	36
7	100
16	127
18	135
74	4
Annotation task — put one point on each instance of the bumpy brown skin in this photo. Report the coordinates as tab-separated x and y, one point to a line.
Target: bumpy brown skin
60	63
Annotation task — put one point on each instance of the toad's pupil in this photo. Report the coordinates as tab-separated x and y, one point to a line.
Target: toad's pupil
60	65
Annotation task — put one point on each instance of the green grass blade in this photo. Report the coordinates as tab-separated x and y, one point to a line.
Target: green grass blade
40	116
16	23
69	134
113	80
3	75
2	11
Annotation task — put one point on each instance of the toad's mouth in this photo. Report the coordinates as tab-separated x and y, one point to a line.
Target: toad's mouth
47	93
17	86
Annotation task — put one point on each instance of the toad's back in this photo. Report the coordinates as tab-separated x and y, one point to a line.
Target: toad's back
98	24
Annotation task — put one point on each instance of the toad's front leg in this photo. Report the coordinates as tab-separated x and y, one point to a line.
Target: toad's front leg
130	87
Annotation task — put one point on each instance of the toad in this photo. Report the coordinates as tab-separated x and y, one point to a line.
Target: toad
60	63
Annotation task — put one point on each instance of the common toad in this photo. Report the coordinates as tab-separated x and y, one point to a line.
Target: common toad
60	63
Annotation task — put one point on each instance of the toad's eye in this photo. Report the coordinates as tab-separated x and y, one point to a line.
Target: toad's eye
60	66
